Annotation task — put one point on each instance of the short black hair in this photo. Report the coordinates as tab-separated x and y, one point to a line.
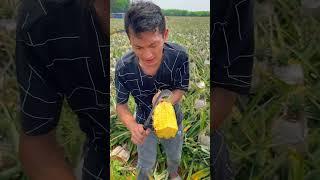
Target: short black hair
144	16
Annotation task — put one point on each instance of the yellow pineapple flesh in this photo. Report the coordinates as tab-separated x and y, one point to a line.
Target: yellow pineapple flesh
164	120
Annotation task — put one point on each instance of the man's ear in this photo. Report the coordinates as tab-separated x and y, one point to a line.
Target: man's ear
129	35
166	35
129	38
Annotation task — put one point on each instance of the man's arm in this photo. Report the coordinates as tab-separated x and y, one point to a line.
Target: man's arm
125	115
42	158
232	56
138	134
175	98
40	155
221	105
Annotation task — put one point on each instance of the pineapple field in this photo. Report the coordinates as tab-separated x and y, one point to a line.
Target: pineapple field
272	134
193	34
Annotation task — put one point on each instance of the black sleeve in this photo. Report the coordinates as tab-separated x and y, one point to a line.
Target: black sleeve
40	100
121	90
232	45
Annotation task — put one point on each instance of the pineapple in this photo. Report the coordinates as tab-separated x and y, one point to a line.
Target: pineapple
164	120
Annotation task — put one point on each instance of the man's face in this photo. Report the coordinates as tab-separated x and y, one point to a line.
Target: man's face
148	47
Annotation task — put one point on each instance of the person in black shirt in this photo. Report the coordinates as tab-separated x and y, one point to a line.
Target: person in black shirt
61	54
152	65
232	46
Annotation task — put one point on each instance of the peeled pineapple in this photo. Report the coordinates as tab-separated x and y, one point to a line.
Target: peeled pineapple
164	120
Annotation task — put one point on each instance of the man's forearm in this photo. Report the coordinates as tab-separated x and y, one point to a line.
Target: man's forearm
125	115
221	105
177	95
42	158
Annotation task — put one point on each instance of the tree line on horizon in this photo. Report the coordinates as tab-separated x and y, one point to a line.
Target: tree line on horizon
121	6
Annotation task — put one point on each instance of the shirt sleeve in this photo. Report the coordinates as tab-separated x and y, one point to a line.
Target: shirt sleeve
40	100
121	91
232	45
181	77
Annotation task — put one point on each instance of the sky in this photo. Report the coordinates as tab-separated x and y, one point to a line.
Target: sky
190	5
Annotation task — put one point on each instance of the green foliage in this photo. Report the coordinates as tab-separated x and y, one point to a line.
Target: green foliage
8	8
118	6
120	171
295	103
283	34
70	136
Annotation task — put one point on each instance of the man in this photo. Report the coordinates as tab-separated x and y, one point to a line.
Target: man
152	65
61	54
232	47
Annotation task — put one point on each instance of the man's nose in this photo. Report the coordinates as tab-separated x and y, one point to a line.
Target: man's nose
147	54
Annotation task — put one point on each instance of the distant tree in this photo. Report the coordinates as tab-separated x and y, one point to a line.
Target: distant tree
118	6
179	12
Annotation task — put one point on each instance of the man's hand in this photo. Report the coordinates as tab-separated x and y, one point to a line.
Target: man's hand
174	99
138	134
